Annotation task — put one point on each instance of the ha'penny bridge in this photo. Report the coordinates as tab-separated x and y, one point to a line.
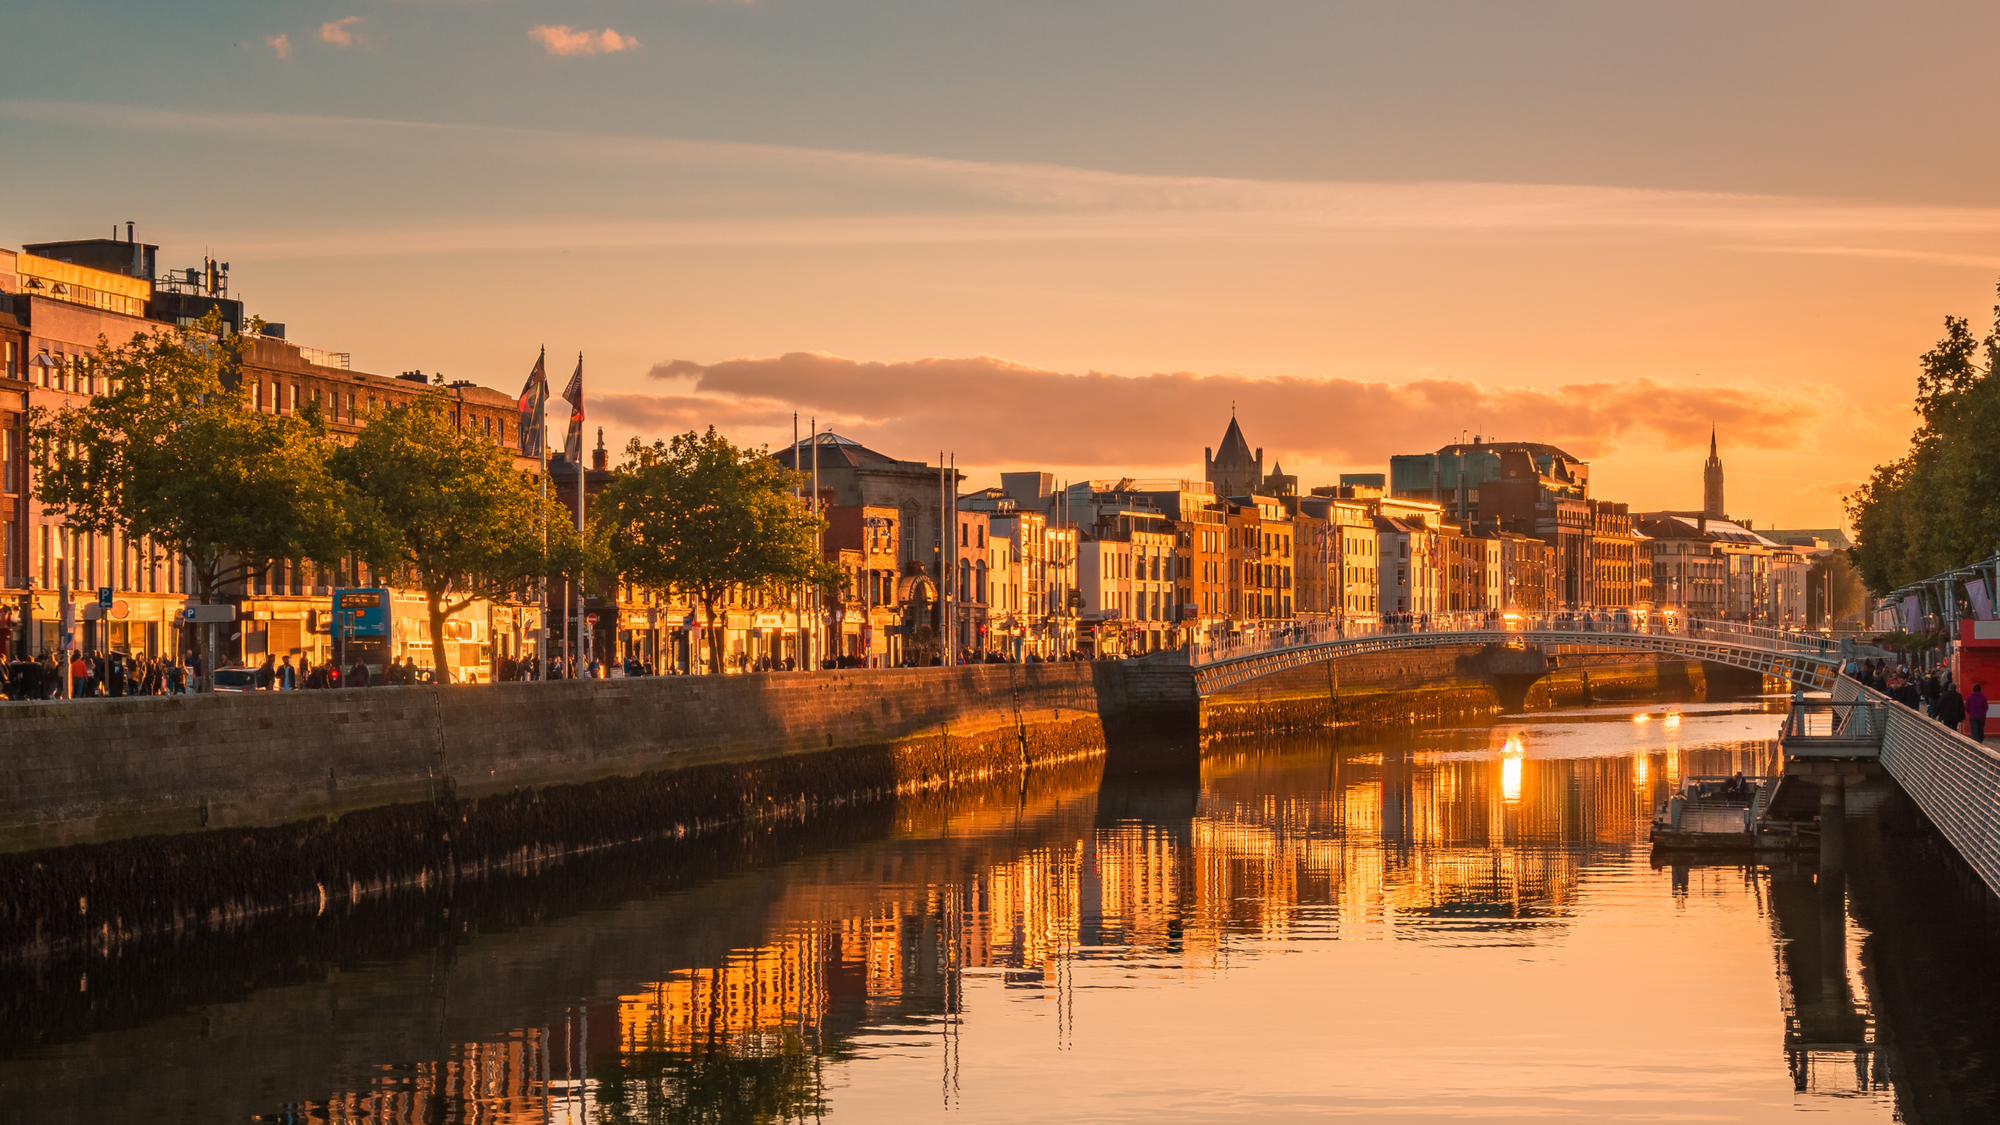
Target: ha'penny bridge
1829	744
1804	658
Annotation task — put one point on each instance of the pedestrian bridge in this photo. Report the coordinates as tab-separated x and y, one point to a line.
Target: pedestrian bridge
1808	659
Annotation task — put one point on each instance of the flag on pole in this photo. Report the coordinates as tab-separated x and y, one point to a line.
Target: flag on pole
1982	604
533	397
573	394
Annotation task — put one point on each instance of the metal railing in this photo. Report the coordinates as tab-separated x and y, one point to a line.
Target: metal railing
1844	721
1491	626
1954	780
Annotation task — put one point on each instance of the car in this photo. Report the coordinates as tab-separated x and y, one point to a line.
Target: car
236	679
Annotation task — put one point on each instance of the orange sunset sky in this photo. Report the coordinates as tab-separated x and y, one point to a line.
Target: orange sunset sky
1069	238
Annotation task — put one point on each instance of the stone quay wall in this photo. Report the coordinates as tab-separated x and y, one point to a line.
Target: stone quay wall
92	771
128	819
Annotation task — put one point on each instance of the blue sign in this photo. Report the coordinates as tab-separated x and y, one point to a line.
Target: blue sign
104	597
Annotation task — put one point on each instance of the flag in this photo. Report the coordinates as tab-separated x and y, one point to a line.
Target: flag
1913	614
1982	605
533	397
573	394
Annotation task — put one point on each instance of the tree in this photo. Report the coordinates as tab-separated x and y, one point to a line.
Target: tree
1938	507
172	455
444	509
702	516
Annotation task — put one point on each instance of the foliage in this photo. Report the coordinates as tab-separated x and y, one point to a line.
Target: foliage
1938	507
1834	579
171	454
445	507
702	516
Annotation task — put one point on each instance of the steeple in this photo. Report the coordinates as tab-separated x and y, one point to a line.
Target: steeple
1234	470
1711	482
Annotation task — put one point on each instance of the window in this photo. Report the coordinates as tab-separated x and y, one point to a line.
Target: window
43	566
10	452
13	372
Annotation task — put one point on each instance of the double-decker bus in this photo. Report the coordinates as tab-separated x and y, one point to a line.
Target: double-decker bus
375	625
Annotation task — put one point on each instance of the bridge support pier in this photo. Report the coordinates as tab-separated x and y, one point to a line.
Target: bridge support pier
1832	827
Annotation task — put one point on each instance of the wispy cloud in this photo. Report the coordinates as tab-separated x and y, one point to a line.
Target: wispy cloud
807	196
340	32
1159	417
280	44
562	39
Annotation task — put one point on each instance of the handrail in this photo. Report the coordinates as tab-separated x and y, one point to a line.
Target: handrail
1309	634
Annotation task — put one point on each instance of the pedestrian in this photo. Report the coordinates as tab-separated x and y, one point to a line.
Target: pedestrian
288	676
358	676
1950	706
267	673
1975	712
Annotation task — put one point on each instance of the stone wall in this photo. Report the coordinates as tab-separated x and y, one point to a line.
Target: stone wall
111	769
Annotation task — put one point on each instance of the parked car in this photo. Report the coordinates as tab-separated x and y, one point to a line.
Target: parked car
236	679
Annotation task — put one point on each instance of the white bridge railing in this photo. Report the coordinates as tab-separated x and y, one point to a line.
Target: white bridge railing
1954	780
1495	626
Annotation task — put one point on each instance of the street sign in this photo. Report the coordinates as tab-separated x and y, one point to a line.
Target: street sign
104	597
208	614
591	617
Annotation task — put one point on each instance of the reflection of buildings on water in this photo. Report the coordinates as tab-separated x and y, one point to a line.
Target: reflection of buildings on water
1470	831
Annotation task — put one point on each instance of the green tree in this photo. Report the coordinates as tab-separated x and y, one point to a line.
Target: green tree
442	508
171	454
1937	508
702	516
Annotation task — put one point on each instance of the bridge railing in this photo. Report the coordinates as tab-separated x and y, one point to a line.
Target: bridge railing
1954	780
1254	640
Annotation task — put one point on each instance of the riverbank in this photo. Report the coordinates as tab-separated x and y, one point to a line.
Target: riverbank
180	814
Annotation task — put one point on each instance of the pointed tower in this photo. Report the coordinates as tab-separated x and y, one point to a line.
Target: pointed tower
1711	482
1232	469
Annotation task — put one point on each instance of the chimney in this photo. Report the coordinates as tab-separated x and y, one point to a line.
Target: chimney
128	231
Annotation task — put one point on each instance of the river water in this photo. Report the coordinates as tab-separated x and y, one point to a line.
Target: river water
1447	924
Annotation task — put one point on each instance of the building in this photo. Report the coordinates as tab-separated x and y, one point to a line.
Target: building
1409	571
851	474
57	299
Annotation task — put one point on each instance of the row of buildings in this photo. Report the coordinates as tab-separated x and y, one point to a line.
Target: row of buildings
934	570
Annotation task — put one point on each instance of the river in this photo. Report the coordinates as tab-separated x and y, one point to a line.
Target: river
1462	923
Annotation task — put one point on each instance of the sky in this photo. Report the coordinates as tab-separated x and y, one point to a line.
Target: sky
1071	236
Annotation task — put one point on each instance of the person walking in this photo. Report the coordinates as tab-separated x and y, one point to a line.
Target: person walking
1950	706
1975	712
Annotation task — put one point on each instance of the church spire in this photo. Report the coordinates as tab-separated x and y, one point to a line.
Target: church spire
1711	482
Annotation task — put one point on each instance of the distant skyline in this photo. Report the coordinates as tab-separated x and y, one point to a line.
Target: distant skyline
1067	237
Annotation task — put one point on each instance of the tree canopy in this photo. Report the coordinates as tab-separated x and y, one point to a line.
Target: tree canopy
172	453
700	515
445	507
1937	508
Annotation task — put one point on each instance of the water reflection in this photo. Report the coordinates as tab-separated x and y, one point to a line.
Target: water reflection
1443	923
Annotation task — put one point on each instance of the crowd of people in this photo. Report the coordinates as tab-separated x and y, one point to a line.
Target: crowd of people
1933	693
92	674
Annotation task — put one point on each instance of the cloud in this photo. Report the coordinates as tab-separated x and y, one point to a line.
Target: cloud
280	44
338	33
997	412
562	39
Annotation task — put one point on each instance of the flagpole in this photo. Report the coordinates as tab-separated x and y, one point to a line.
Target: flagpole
819	625
578	427
542	581
799	640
